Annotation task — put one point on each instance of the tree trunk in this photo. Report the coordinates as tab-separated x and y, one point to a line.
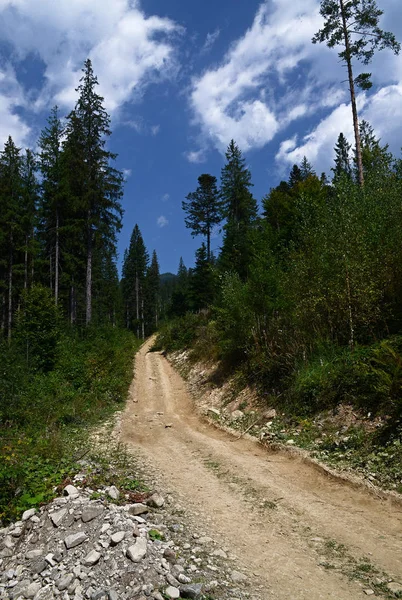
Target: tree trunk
352	97
351	326
26	264
10	289
88	283
209	245
33	261
56	262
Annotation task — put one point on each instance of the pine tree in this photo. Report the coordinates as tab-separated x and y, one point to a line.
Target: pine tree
342	158
134	272
203	209
240	211
101	185
53	208
354	25
152	295
30	199
202	280
306	169
180	302
375	158
11	194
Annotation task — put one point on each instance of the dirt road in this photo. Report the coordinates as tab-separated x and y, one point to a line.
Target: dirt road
292	527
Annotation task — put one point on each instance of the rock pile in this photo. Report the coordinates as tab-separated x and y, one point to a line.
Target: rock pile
85	547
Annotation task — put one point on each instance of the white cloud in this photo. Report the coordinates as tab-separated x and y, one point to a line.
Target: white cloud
162	221
129	50
210	40
165	197
196	156
127	173
11	96
155	129
230	101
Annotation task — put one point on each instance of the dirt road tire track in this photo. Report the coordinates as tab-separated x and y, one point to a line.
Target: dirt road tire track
213	475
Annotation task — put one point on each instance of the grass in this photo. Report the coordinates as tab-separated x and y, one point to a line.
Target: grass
45	416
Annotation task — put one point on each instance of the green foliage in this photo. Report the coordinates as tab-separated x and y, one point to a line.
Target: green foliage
38	328
44	415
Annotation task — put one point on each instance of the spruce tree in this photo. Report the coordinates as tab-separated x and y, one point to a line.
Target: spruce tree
134	273
53	209
240	211
11	210
88	128
30	199
202	280
354	25
342	158
152	295
204	209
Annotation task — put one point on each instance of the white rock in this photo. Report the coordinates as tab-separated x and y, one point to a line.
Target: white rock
138	509
172	592
32	589
75	539
156	501
113	492
58	516
33	553
71	490
137	551
395	587
118	537
91	558
28	514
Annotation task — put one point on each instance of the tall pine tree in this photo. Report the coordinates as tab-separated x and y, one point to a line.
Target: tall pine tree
204	209
240	211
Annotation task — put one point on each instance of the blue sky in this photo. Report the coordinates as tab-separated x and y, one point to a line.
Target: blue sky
180	79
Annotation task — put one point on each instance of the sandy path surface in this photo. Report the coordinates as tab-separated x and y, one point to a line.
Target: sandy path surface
279	515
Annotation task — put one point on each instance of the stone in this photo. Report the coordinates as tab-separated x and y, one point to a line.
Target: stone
45	593
113	595
170	555
237	577
172	592
395	587
75	539
369	592
113	492
28	514
214	411
71	490
137	551
50	560
183	578
39	566
205	540
138	509
156	501
32	589
191	591
91	558
100	595
290	442
58	516
33	554
90	513
65	582
237	415
117	537
270	414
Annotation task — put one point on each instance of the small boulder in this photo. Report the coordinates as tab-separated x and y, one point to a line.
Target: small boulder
71	490
138	509
113	492
137	551
191	591
91	558
156	501
75	539
28	514
172	592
